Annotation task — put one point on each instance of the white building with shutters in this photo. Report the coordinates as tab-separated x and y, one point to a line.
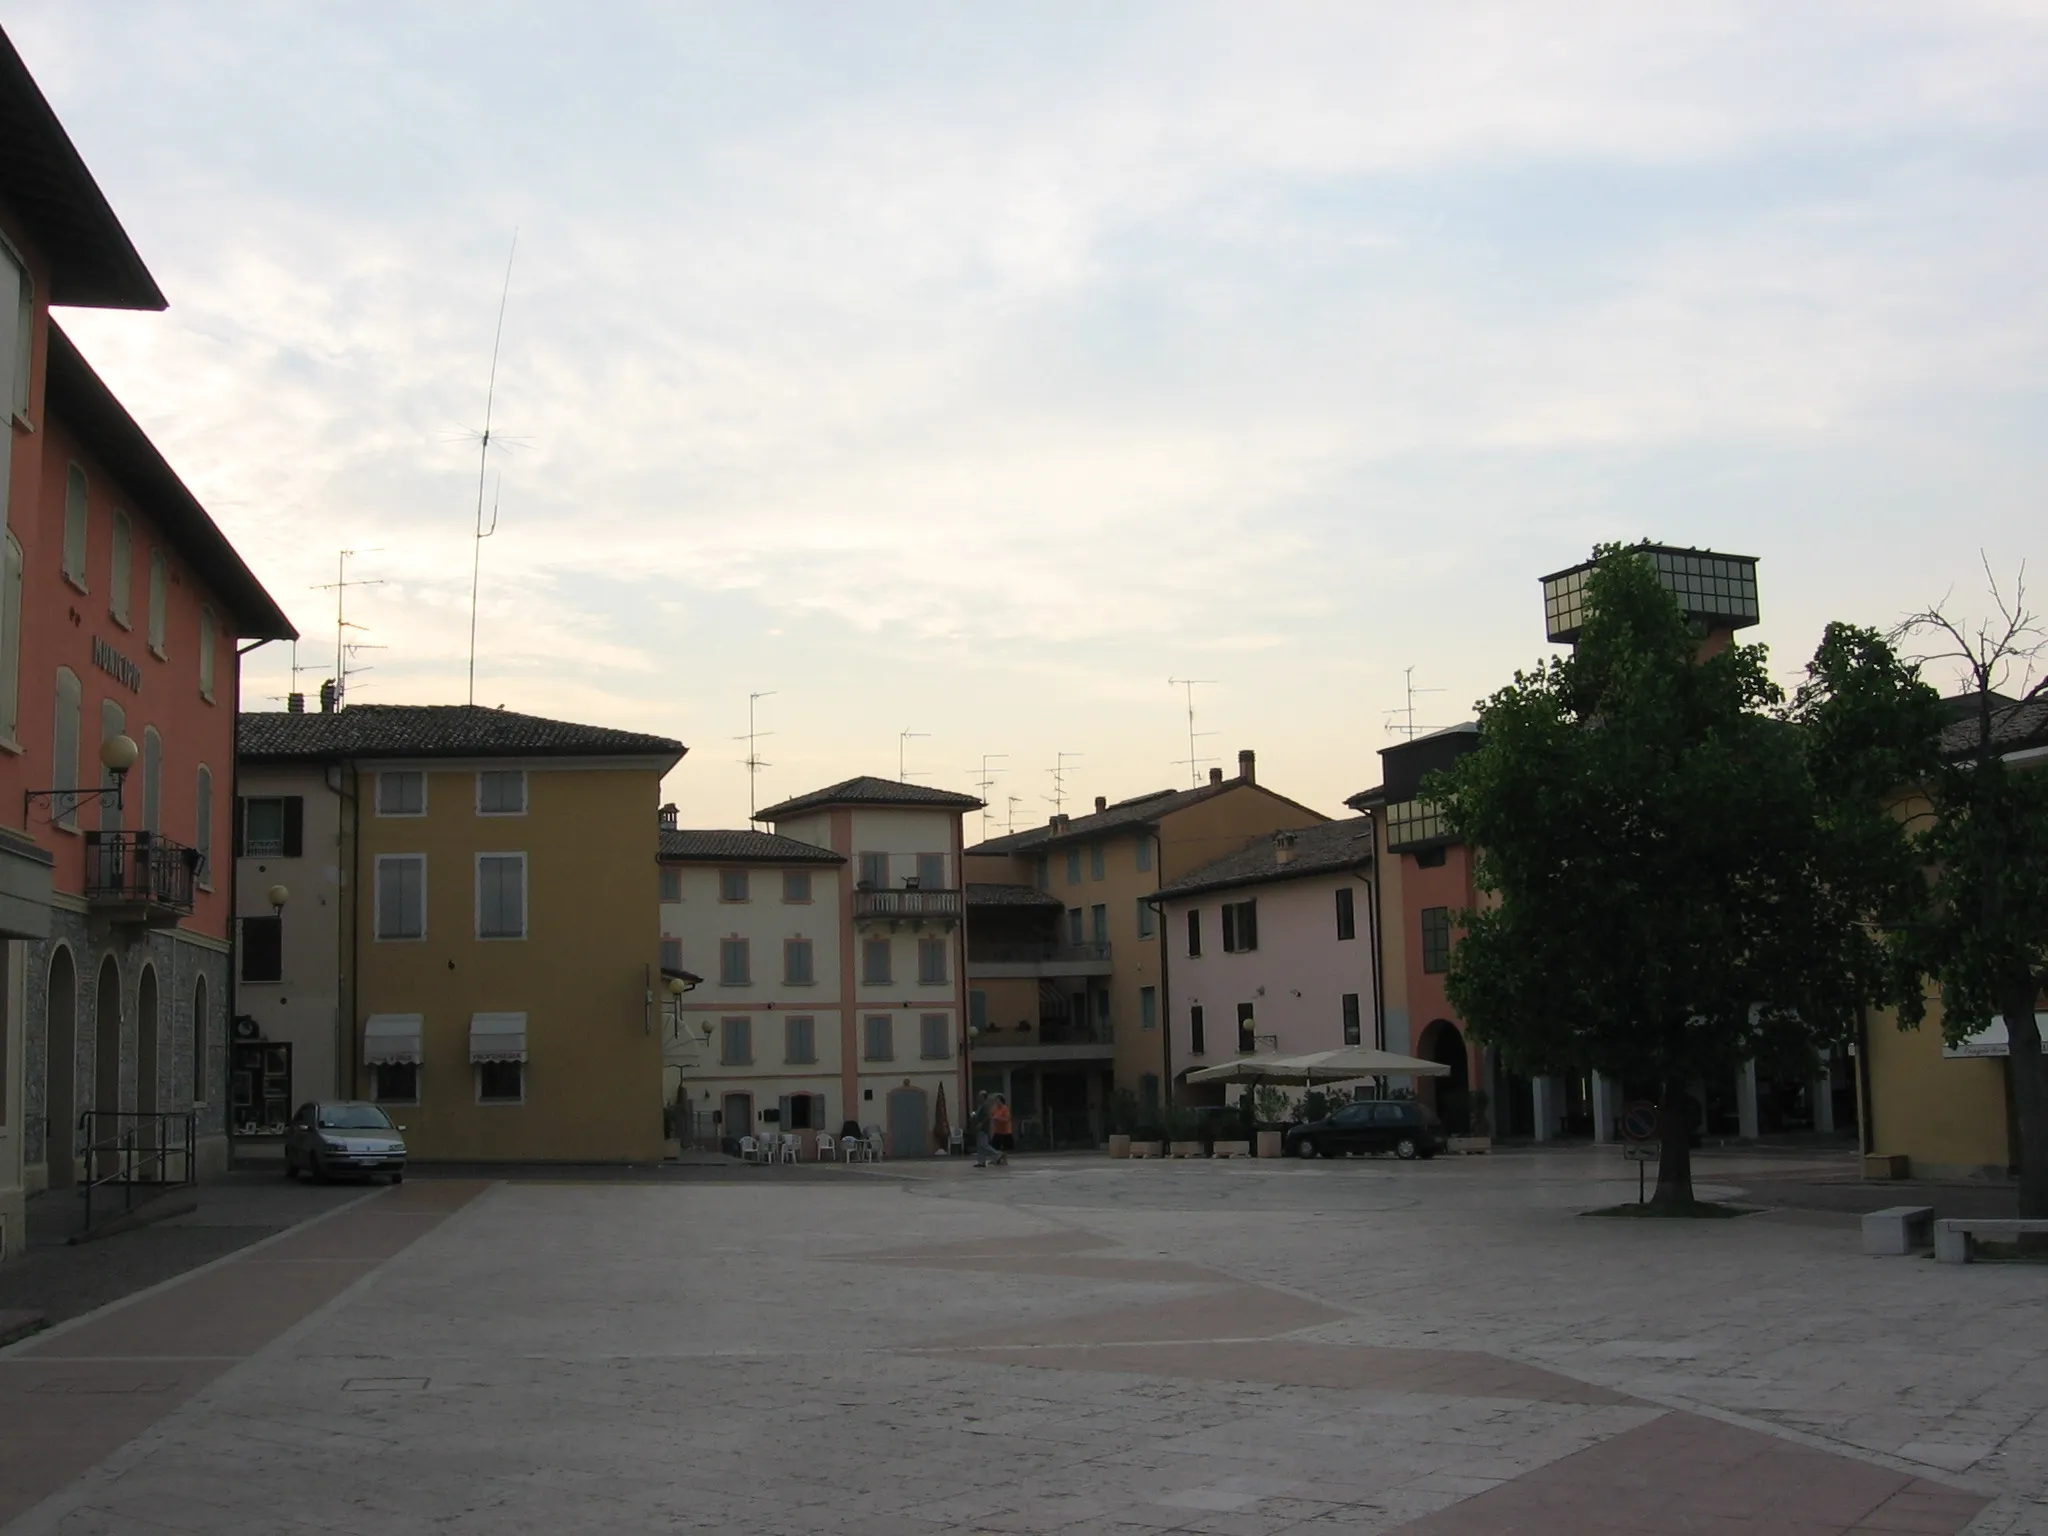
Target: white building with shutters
824	967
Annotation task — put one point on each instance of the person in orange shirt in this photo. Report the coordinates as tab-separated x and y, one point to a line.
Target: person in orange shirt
999	1122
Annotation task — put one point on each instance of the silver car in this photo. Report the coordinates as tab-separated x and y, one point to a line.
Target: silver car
346	1137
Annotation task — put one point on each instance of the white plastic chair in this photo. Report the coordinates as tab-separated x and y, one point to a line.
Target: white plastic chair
850	1148
874	1146
750	1150
827	1147
785	1149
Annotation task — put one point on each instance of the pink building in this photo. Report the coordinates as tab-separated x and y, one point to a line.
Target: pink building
1272	949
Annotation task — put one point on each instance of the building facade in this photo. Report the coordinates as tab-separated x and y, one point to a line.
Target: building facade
482	919
122	611
827	967
1273	951
1105	979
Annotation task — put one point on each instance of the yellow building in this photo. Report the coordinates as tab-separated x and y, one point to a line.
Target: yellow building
486	904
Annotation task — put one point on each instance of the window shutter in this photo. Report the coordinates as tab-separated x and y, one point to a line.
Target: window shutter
1248	926
1229	928
294	826
239	820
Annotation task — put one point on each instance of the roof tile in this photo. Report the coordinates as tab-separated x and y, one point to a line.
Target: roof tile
435	730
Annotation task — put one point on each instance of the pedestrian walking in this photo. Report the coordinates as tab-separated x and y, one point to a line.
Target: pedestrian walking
983	1148
999	1126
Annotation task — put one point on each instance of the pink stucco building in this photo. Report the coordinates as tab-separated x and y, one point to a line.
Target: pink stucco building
1272	948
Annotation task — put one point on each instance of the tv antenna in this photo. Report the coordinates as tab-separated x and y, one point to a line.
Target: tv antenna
1401	722
985	783
753	757
342	624
483	458
1015	801
903	740
1193	761
1058	770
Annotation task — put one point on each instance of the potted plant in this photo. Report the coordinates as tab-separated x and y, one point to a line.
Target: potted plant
1183	1132
1270	1113
1123	1117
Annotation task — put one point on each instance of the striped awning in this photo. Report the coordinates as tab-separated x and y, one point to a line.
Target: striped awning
391	1039
497	1037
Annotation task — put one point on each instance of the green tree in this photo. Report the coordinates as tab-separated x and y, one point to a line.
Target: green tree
1675	885
1984	934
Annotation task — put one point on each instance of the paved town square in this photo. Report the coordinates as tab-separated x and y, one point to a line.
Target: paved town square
1053	1346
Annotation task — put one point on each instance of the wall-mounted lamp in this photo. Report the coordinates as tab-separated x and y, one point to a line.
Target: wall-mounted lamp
278	895
118	754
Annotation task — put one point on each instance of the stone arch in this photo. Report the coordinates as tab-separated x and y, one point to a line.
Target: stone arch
1443	1042
60	1070
106	1055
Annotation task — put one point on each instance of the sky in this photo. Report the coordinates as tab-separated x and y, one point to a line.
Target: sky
970	371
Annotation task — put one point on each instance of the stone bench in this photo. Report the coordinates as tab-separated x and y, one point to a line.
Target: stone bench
1952	1236
1898	1229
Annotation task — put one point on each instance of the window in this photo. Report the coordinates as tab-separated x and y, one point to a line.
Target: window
735	963
64	749
74	526
397	1082
931	962
796	962
159	597
1098	924
1247	1040
1351	1034
1042	873
800	1041
152	780
402	793
878	1038
501	1082
1073	866
1240	927
401	896
1413	821
1077	934
671	885
874	871
206	639
671	954
1429	858
796	885
931	871
1095	868
1197	1044
202	824
977	1010
732	885
1148	1007
121	573
874	962
1194	932
934	1036
1436	940
10	639
273	826
501	792
1144	852
735	1042
1145	918
263	949
501	895
1347	920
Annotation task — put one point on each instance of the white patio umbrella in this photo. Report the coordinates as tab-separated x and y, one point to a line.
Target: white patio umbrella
1339	1066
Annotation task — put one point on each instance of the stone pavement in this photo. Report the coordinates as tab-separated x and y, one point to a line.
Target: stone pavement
1068	1346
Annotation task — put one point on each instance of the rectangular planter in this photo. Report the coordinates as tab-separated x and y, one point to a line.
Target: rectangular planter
1188	1149
1469	1143
1231	1149
1880	1167
1119	1146
1269	1143
1148	1149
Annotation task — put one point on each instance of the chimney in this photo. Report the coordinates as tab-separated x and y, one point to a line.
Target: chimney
1283	848
1101	804
327	697
295	703
1059	821
1247	766
1215	775
668	818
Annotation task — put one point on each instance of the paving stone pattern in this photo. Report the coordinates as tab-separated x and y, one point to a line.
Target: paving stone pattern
1358	1347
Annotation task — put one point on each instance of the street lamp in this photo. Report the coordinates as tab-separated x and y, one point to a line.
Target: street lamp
278	895
118	754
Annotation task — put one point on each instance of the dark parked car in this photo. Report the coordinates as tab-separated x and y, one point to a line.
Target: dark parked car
1400	1126
326	1139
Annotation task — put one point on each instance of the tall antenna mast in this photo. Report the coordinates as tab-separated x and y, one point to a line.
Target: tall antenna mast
753	757
1401	722
1193	761
903	740
1058	797
1015	801
483	457
985	783
339	587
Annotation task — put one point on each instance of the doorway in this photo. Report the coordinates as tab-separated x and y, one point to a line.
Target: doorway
736	1116
908	1123
60	1070
106	1072
1442	1043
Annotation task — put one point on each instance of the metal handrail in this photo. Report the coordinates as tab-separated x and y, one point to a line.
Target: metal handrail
132	1147
140	866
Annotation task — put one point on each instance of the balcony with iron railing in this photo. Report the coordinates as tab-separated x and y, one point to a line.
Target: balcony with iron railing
992	960
910	905
139	877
